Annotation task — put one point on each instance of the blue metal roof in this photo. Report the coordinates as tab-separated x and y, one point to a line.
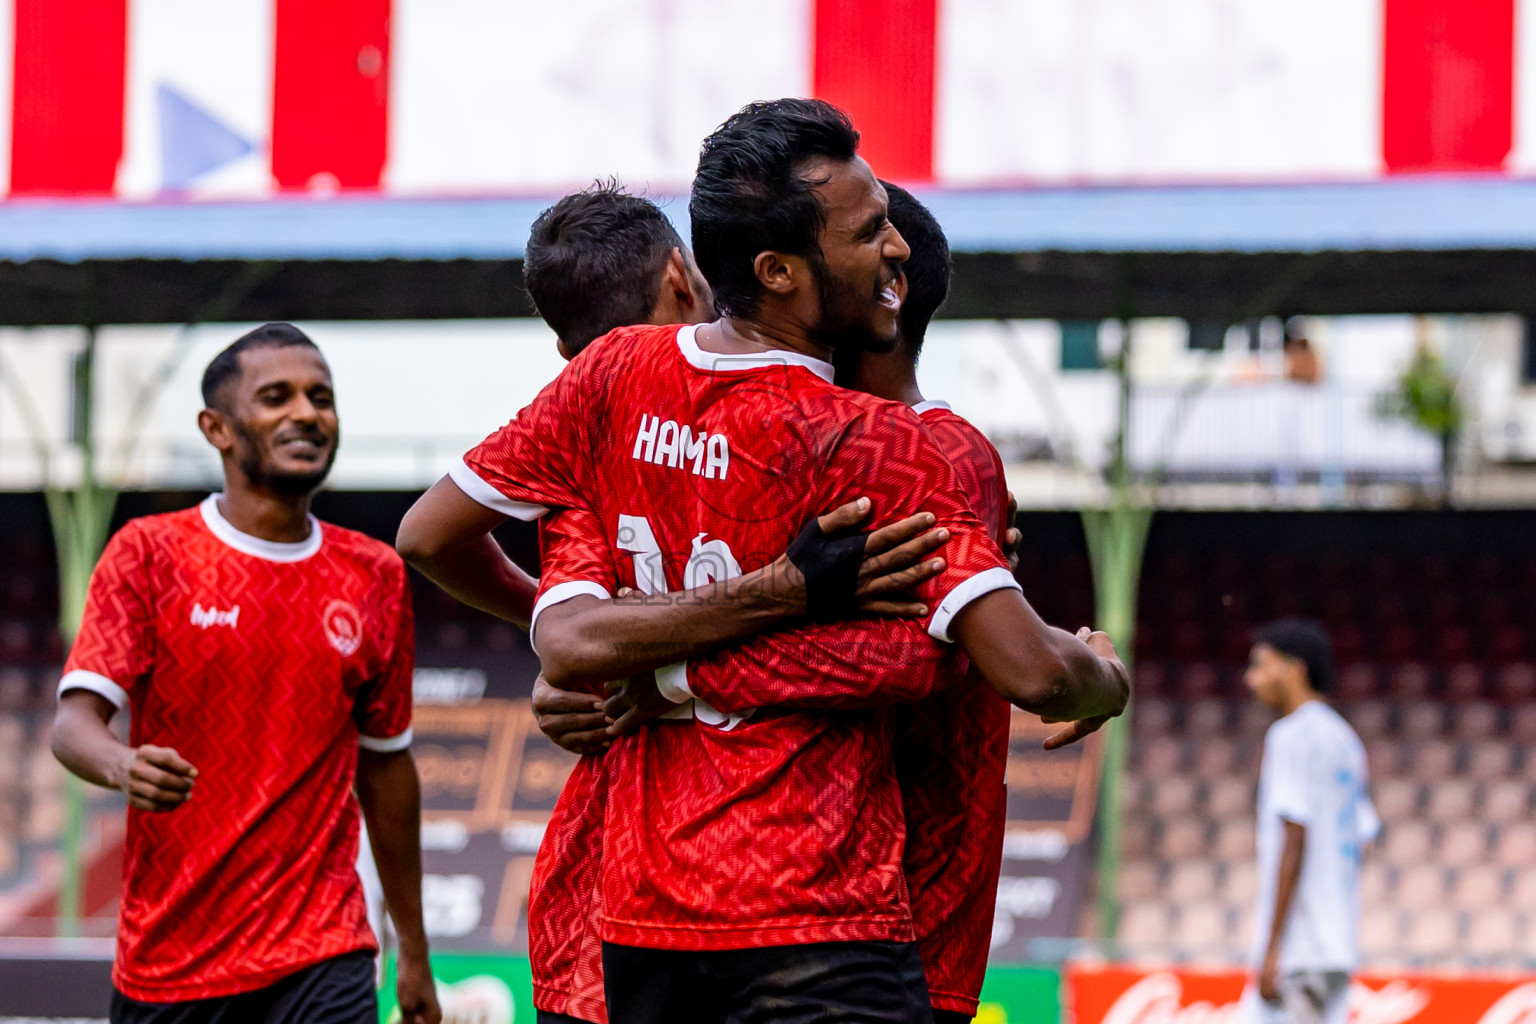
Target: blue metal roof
1396	214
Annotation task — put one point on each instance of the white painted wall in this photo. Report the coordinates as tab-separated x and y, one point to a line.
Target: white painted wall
414	396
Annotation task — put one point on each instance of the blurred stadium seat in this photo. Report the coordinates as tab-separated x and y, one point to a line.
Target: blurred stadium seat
1447	715
1450	741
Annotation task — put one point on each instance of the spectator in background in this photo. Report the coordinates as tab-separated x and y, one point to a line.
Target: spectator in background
1301	362
1314	818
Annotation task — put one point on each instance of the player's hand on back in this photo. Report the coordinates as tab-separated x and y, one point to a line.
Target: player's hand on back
1101	645
634	702
572	721
896	560
844	574
155	778
1014	538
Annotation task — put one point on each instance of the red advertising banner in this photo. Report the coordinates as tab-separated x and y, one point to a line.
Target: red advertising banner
1141	995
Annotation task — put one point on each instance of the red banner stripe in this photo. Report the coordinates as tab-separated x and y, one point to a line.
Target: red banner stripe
875	59
1448	84
68	85
330	93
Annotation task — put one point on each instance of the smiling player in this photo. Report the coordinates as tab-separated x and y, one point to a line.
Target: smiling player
266	658
769	876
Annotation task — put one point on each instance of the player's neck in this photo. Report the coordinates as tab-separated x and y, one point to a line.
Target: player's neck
1297	699
280	518
888	375
730	336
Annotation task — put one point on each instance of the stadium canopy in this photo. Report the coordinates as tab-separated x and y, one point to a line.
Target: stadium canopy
1432	244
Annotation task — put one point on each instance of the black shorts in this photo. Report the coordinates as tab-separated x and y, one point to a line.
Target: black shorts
817	983
545	1017
341	990
951	1017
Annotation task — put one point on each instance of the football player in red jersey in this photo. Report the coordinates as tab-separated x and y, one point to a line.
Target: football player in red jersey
952	786
951	748
266	659
783	888
595	260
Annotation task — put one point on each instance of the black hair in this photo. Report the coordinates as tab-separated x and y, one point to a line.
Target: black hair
927	269
1306	641
226	365
594	262
750	195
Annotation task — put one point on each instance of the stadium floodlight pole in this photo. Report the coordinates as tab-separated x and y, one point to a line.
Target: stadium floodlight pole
1117	540
1117	537
79	516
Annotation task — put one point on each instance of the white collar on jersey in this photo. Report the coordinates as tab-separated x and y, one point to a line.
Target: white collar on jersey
271	550
719	361
930	403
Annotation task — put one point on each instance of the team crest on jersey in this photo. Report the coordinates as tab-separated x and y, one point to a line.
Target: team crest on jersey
343	627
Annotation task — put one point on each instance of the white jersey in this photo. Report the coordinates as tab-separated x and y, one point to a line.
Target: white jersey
1314	774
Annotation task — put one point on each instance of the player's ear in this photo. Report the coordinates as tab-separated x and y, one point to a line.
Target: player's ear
777	272
216	429
675	299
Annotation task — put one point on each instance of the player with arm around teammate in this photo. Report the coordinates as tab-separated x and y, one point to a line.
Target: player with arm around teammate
951	748
266	658
596	260
811	299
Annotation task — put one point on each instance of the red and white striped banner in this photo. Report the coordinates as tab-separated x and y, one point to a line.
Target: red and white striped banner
145	98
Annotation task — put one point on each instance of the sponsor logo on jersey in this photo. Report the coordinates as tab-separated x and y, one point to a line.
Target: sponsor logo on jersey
343	627
664	443
211	616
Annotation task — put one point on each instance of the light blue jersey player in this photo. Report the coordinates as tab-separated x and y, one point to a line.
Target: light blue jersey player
1314	819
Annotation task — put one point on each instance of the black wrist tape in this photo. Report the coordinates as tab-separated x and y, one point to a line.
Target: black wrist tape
830	565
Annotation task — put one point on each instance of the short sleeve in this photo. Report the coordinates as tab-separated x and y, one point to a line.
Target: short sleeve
1367	822
383	710
978	468
888	454
1292	776
114	652
574	559
541	458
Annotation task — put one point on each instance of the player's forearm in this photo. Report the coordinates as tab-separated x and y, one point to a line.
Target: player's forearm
85	745
446	535
587	640
1036	667
482	576
1292	853
390	794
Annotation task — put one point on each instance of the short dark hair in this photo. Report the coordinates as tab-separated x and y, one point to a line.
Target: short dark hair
226	365
1306	641
927	269
749	195
594	262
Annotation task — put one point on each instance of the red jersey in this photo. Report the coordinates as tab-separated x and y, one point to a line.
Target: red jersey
951	758
565	900
789	826
951	747
565	897
265	665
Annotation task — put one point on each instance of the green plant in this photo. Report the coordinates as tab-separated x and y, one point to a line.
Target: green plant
1425	396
